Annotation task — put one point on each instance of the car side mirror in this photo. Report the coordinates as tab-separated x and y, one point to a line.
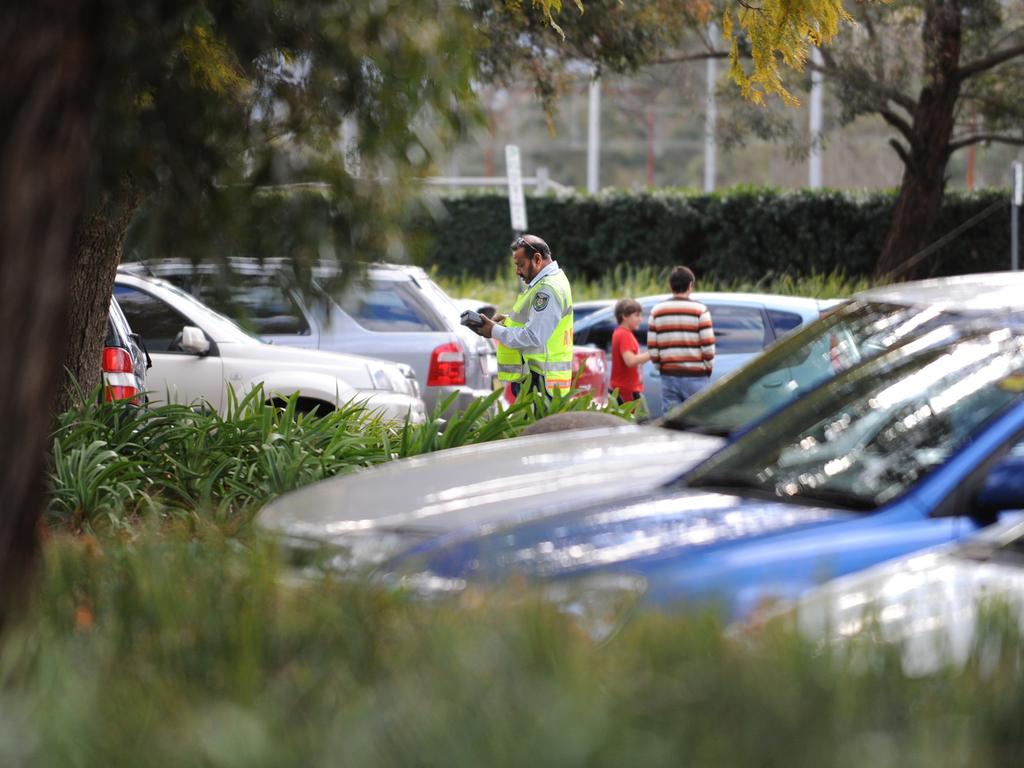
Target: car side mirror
1003	488
194	341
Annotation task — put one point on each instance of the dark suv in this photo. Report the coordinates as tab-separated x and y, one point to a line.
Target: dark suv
124	360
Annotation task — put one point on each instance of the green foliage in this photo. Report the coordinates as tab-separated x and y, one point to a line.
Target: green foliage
629	280
204	101
544	41
778	32
745	237
114	463
182	648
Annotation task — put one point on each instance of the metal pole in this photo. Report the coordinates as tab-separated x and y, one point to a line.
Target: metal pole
814	158
710	115
593	134
1018	198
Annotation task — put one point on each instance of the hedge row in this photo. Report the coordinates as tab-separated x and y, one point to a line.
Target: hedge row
746	234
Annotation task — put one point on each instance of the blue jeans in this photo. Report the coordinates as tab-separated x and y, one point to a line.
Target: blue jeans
675	389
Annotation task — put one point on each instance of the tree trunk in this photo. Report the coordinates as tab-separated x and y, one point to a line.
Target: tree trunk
924	172
49	59
98	243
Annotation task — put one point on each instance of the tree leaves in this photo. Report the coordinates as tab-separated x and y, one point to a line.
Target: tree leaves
779	32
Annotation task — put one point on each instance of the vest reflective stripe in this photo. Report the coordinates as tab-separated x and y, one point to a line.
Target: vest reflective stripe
554	361
511	365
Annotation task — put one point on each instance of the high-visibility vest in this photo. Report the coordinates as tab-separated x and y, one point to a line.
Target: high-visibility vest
554	360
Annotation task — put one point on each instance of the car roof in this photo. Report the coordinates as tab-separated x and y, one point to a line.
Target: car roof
979	292
252	266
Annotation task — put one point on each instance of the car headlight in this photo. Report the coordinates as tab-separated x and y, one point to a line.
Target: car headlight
599	603
352	553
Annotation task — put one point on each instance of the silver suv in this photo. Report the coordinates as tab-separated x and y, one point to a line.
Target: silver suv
392	312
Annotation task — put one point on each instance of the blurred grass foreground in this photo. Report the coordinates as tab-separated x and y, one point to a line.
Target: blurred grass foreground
182	648
164	631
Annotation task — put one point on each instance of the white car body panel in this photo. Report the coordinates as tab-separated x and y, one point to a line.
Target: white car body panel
182	378
928	602
242	362
490	484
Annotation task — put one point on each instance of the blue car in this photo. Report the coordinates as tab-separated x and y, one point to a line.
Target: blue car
897	453
745	324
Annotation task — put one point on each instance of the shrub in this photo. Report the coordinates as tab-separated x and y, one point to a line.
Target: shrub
744	235
113	462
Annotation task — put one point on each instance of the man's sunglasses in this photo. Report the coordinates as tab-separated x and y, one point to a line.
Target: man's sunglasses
522	242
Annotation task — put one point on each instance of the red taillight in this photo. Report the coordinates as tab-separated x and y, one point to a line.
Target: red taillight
447	366
117	360
111	393
116	364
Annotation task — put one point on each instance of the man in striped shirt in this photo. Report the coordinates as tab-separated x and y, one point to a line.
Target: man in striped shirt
681	341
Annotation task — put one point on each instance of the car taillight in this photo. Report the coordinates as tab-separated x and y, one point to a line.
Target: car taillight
118	375
117	360
447	366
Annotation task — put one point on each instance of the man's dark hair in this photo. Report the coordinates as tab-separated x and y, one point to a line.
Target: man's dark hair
626	307
532	244
681	279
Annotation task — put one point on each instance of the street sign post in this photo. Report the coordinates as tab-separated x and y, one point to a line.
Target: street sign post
1018	200
516	200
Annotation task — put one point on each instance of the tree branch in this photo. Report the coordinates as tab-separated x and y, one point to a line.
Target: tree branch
977	138
898	123
900	150
988	62
683	57
872	84
1010	33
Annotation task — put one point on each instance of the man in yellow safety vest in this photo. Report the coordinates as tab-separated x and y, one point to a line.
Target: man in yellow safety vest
535	339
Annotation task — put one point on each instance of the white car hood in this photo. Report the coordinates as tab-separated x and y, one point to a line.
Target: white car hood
352	369
498	483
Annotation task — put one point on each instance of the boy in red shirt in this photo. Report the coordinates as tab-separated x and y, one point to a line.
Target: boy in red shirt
626	355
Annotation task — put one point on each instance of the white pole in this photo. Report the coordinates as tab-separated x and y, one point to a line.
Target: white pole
1018	200
710	116
814	158
593	135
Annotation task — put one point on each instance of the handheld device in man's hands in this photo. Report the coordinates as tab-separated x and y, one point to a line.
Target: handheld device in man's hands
471	319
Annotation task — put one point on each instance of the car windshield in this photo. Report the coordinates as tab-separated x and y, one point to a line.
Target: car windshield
867	436
200	310
855	332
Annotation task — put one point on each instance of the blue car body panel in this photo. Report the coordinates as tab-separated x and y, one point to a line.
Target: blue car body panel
702	545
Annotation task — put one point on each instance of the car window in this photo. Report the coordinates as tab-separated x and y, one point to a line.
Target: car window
803	360
390	307
119	332
113	339
783	322
739	329
260	304
865	437
265	307
158	323
600	335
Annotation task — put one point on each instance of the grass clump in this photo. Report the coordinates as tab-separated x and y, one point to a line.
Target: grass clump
642	280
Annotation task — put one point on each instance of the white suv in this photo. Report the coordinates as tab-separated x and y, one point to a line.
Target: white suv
392	312
198	353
